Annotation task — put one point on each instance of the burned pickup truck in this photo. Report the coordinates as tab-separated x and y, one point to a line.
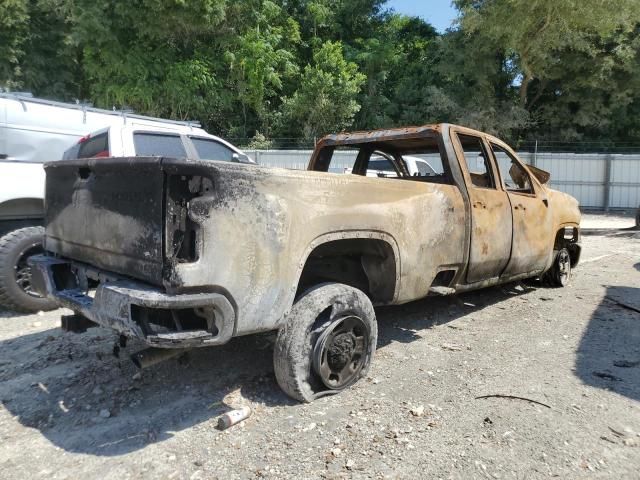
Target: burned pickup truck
184	254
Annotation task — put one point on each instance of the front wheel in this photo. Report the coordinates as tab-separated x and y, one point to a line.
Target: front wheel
559	274
326	343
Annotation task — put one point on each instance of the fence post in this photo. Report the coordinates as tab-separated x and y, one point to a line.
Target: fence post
258	157
534	162
607	182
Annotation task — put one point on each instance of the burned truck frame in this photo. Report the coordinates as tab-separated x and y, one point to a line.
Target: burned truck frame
185	254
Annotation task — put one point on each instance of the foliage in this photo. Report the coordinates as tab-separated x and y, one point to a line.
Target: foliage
546	69
326	98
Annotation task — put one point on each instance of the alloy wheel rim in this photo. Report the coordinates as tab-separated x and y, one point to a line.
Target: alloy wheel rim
564	265
340	352
22	269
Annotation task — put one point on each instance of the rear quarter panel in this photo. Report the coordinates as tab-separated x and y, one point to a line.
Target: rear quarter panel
260	224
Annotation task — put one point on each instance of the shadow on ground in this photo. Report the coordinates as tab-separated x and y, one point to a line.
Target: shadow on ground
609	353
83	399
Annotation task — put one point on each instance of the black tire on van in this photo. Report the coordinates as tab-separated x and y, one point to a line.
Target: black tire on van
16	292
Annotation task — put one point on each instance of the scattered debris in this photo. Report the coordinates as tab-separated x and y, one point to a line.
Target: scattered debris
417	411
104	413
622	304
616	432
233	417
336	452
452	347
514	397
309	427
626	363
606	376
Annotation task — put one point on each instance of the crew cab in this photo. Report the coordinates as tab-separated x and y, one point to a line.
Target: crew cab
185	254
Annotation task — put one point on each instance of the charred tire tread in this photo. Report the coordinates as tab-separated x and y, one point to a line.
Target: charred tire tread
10	294
292	352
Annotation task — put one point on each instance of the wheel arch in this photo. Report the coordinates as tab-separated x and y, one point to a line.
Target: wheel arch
380	262
568	236
22	208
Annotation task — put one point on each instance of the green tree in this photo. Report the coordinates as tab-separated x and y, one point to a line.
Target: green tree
261	59
536	31
14	18
326	99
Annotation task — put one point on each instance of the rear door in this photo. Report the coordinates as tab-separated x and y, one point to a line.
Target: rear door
532	224
491	225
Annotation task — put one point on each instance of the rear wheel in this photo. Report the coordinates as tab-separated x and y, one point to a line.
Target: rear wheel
16	291
559	274
327	342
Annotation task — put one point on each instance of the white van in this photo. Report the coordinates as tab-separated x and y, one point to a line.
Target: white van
34	131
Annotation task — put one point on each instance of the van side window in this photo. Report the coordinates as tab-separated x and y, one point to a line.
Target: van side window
515	177
212	150
477	161
158	145
97	146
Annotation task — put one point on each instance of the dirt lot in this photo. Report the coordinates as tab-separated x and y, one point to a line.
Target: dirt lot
71	409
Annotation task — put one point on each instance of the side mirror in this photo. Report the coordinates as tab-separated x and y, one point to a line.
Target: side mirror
241	158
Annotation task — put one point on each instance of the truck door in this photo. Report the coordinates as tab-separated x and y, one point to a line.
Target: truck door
532	235
491	225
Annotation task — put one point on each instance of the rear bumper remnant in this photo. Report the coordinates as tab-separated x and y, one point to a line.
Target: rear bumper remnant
135	309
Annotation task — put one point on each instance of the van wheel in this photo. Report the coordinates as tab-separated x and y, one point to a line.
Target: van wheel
16	291
559	274
326	343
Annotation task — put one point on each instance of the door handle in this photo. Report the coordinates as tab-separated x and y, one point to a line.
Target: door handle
479	205
519	206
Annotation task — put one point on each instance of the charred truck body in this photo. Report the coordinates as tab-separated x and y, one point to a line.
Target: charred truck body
186	254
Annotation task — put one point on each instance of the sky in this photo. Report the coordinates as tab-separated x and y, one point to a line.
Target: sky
439	13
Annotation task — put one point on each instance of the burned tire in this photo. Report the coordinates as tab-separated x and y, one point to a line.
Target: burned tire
326	343
559	274
16	291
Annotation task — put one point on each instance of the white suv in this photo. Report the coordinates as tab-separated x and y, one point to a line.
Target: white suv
146	140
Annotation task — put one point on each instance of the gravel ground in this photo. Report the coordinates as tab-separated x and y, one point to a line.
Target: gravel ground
71	409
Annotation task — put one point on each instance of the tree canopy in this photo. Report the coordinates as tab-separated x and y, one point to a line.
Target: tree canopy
522	69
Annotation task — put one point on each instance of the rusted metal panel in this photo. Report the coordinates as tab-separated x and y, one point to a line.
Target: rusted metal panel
245	232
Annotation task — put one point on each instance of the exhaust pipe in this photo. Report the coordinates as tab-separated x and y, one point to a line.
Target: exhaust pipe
150	356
